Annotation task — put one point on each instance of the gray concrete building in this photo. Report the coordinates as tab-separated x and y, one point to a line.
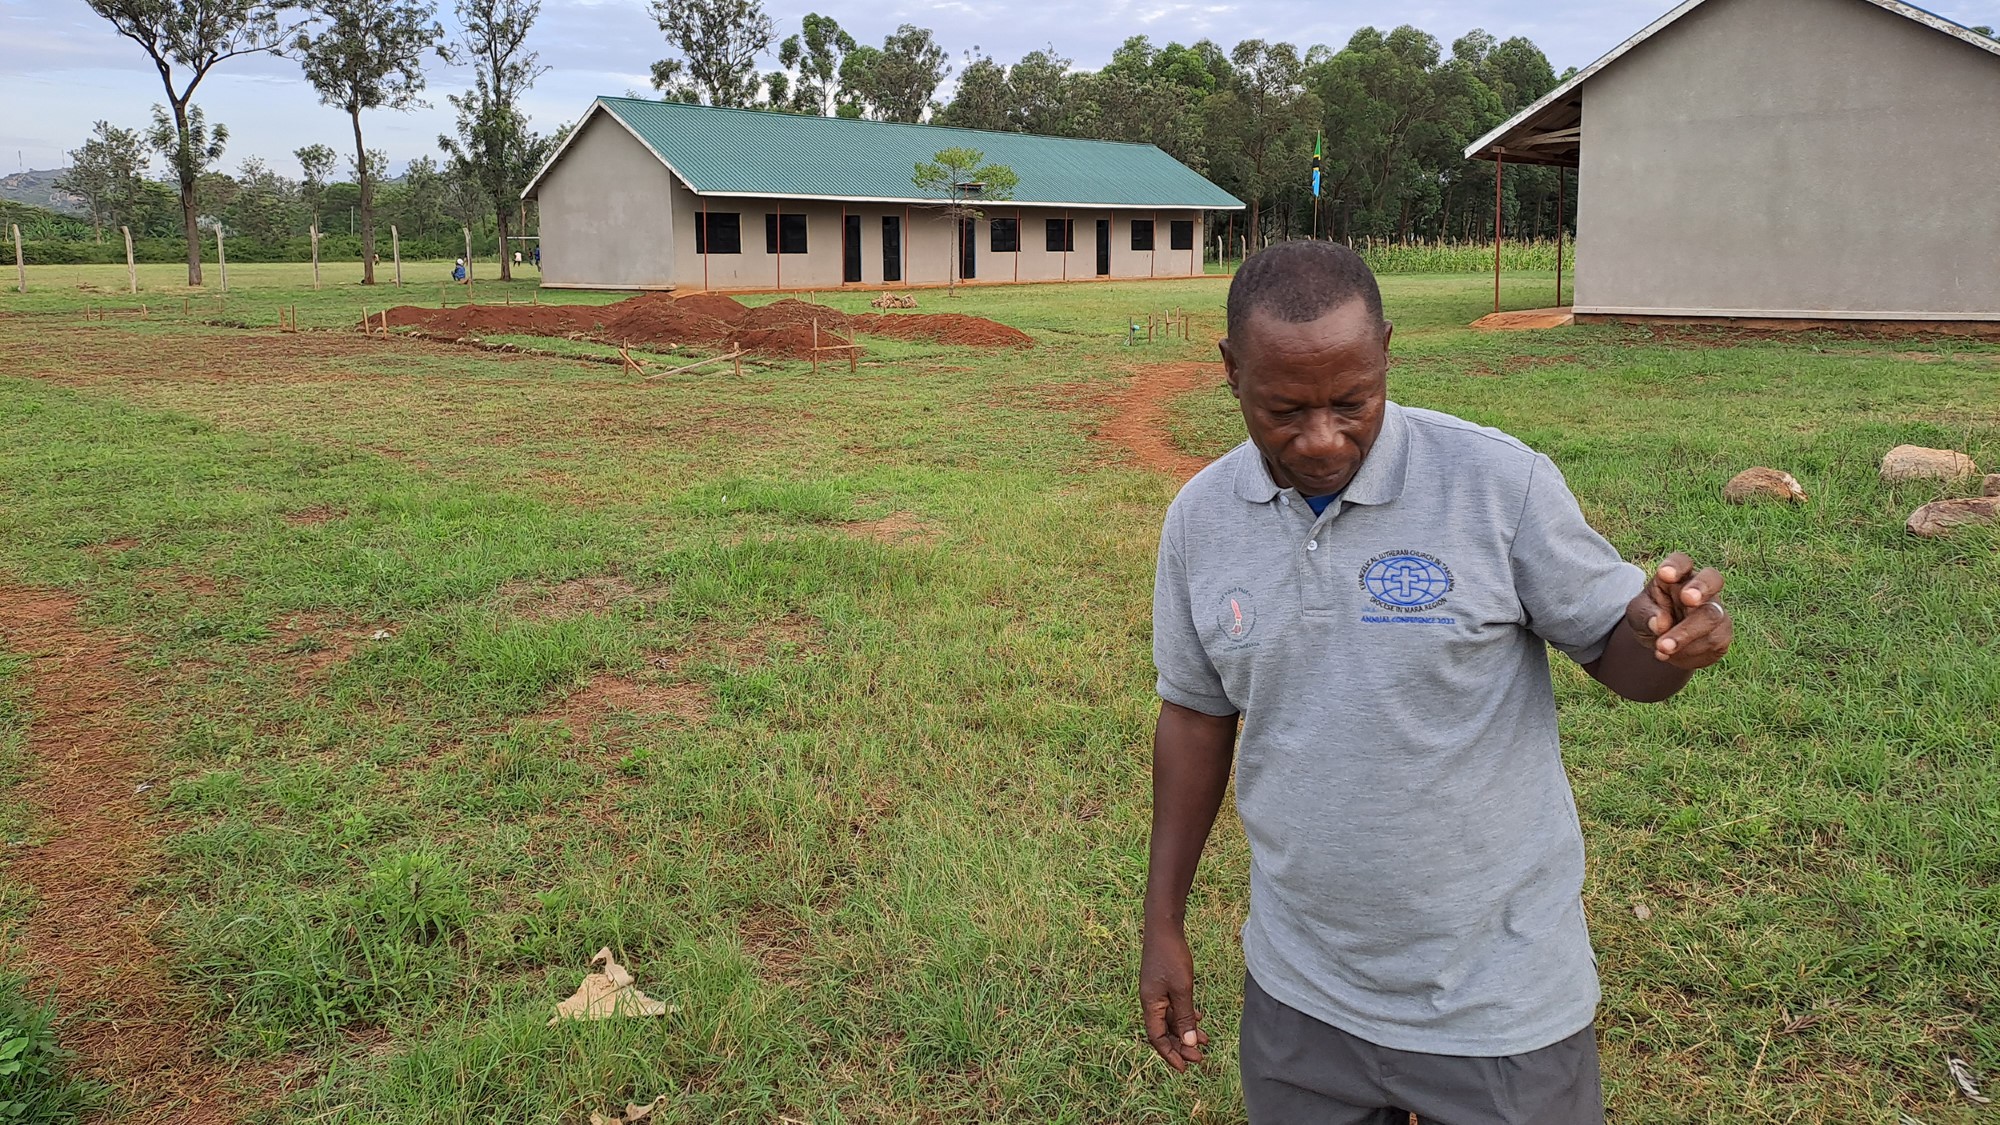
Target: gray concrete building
662	195
1781	160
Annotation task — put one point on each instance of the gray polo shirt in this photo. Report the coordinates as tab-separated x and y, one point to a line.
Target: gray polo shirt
1416	864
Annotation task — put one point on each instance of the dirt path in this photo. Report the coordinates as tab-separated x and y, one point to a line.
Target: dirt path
1138	412
89	936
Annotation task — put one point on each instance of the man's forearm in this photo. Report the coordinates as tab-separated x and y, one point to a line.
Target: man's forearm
1631	668
1191	758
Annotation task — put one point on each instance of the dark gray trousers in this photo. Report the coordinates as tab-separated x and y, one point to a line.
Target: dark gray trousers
1299	1071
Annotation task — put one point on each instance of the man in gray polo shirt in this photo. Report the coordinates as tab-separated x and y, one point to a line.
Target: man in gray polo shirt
1373	590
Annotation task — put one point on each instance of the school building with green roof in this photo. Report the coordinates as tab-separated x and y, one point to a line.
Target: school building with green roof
663	195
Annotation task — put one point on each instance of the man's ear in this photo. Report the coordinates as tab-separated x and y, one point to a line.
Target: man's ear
1388	331
1229	367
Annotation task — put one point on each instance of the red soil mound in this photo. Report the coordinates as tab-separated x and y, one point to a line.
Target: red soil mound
659	319
791	311
714	304
781	328
943	328
516	320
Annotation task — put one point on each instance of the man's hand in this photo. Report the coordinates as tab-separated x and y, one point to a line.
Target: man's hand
1678	618
1166	994
1672	630
1191	757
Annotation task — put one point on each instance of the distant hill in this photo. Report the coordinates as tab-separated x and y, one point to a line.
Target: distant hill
38	189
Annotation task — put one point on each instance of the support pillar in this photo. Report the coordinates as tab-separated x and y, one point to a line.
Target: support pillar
1499	176
1562	215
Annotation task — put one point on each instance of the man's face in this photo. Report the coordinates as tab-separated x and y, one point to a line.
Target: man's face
1312	393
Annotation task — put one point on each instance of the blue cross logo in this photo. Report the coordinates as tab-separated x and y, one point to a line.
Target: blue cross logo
1406	581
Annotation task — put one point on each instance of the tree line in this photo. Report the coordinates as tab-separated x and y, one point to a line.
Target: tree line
360	55
1392	112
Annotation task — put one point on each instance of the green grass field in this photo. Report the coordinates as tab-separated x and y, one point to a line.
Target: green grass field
826	703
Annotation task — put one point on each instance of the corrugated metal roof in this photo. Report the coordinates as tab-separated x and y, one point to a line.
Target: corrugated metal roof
751	152
1484	147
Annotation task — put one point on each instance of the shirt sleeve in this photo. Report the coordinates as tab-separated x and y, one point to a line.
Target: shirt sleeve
1187	678
1572	584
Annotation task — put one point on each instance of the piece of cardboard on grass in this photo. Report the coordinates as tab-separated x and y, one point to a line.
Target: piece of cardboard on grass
607	992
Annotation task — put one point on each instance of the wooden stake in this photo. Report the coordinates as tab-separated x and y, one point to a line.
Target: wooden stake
631	364
385	322
131	269
396	252
367	322
736	355
20	263
221	258
815	346
314	231
468	264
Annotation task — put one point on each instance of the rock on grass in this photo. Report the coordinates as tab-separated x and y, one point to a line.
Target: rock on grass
1753	485
1915	462
1942	517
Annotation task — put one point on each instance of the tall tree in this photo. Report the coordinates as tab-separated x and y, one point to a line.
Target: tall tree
720	41
1044	94
191	148
815	54
982	99
420	204
494	148
895	82
266	205
105	172
368	54
963	178
1258	125
315	171
185	39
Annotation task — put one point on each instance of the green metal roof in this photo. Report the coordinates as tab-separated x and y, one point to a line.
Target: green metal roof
751	152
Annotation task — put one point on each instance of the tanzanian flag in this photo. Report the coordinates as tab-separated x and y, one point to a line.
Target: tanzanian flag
1316	165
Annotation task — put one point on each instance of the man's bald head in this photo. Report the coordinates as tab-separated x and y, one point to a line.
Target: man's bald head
1298	282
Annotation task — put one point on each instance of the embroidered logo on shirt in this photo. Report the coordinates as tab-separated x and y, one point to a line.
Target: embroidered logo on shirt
1238	615
1406	581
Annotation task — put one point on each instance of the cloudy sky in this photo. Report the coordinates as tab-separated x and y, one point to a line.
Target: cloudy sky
64	68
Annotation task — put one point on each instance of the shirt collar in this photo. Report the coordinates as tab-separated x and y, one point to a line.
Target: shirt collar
1380	480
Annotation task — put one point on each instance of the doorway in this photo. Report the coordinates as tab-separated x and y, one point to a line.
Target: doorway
892	248
1104	247
850	249
968	252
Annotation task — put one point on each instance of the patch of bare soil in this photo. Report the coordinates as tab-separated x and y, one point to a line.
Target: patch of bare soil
315	516
1526	320
577	597
607	697
794	630
314	645
94	354
775	939
787	328
895	529
90	936
1136	415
